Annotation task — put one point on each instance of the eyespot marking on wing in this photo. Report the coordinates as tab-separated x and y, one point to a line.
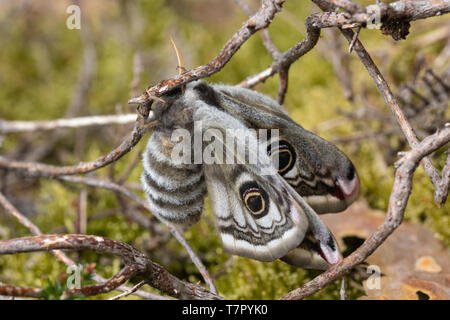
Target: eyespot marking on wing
255	199
286	156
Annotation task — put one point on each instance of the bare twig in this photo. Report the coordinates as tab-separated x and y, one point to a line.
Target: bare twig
81	220
138	293
401	191
273	51
9	208
39	169
77	103
355	36
388	96
258	21
288	57
340	59
16	291
317	21
138	68
33	126
144	221
116	281
127	293
348	5
394	17
264	33
58	253
135	263
442	190
342	291
133	164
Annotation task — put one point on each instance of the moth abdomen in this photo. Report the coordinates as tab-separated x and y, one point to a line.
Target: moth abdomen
174	191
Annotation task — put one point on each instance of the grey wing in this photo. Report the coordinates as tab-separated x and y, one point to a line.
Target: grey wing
255	218
255	214
319	249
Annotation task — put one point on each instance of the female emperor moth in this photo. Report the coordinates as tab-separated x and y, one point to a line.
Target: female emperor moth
264	209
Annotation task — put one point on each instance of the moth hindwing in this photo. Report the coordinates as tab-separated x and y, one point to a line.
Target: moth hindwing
266	176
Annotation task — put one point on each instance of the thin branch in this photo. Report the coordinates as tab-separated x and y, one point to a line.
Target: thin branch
258	21
442	190
16	291
272	50
340	59
133	164
264	33
144	221
283	86
342	291
9	208
34	126
79	99
398	200
403	11
138	69
317	21
355	36
138	293
58	253
348	5
136	263
288	57
127	293
388	96
116	281
39	169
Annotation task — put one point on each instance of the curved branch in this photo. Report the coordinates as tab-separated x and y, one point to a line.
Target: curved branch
388	97
39	169
136	263
144	221
33	126
33	292
406	10
9	208
258	21
284	61
16	291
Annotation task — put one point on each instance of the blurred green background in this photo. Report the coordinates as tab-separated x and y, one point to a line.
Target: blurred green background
41	62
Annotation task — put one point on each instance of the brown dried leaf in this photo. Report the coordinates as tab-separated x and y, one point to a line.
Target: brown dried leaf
413	263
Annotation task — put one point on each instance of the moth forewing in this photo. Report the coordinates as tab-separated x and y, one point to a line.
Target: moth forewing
321	173
254	218
262	208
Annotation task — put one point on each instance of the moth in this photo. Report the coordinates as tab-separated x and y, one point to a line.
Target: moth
263	209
